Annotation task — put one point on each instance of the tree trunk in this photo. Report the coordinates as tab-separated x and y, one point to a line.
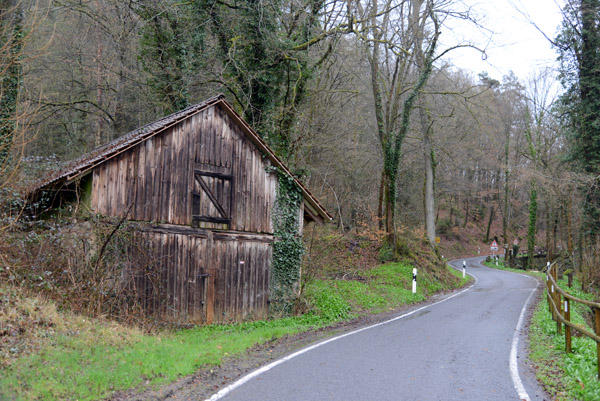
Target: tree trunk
380	201
11	74
569	226
487	233
466	212
429	177
532	225
390	208
506	209
548	234
98	120
382	132
554	232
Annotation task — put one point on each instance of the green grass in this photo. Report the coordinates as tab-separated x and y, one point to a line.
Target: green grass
92	359
384	288
85	367
380	289
510	269
566	376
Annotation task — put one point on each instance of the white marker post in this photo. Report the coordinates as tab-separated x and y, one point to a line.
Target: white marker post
464	268
414	281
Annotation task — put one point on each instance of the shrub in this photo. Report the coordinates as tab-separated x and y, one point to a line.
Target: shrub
444	226
386	253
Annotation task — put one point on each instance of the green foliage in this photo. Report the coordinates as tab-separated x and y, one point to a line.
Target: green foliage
170	52
444	226
264	65
386	253
288	247
328	305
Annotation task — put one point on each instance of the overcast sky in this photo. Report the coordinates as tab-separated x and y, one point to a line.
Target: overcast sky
512	42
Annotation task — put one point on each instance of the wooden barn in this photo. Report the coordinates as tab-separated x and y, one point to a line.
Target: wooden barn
205	184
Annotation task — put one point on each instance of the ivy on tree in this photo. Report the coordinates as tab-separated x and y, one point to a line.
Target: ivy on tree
579	54
11	37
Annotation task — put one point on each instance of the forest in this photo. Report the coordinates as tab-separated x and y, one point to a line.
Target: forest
357	97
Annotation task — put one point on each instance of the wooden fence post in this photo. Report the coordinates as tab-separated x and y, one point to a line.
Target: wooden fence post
548	291
551	299
556	297
560	313
568	328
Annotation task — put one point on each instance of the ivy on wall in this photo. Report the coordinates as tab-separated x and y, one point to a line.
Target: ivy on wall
288	247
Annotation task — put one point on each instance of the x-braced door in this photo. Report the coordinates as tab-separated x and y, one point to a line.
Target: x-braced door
211	198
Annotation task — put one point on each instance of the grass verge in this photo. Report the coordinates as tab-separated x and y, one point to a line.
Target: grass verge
501	266
84	359
566	377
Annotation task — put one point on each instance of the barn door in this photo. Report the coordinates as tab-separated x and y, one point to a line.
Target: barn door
211	198
198	277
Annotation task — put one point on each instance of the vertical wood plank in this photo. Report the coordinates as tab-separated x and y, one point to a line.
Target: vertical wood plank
209	136
140	196
148	179
131	180
185	191
218	133
156	188
162	199
95	190
233	257
119	183
192	288
210	252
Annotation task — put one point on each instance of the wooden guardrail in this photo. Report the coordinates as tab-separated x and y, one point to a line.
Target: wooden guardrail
559	302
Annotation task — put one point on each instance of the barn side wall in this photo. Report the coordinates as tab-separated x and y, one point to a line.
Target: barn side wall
203	277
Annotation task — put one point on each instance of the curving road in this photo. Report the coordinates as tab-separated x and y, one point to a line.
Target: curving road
458	347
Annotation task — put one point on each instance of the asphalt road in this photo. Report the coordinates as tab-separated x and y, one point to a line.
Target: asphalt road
456	348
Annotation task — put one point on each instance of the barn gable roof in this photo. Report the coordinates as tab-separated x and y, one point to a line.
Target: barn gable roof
84	164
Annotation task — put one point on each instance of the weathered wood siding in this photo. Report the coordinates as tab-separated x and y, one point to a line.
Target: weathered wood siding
156	180
208	193
241	278
203	276
172	275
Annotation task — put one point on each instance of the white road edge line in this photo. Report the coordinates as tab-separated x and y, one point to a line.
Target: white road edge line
514	366
226	390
